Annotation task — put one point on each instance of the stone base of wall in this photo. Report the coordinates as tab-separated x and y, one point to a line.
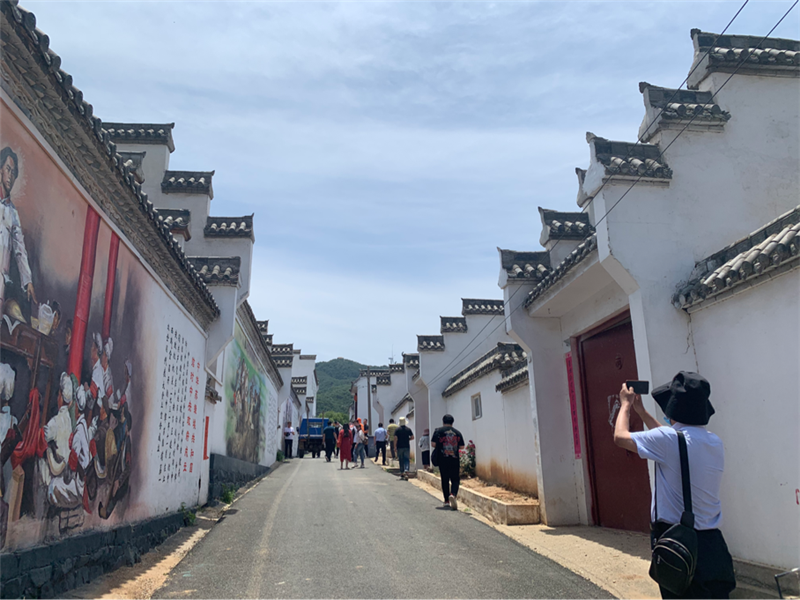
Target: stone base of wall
49	571
224	470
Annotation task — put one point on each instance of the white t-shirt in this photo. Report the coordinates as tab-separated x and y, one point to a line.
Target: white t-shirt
706	463
289	433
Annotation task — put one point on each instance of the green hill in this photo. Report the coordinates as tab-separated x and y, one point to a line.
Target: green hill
335	377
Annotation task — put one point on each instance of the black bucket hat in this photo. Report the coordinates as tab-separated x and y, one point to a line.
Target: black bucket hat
685	399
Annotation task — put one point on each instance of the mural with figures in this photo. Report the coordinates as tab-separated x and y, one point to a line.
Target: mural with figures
248	398
92	423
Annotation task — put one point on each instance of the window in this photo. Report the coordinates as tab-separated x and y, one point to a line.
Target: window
477	412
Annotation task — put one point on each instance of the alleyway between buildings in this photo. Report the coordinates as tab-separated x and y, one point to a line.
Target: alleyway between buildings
309	530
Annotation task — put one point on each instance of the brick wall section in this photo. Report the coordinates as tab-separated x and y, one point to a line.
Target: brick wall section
49	571
225	470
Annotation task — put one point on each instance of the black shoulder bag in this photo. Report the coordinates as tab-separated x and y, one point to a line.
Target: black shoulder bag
675	552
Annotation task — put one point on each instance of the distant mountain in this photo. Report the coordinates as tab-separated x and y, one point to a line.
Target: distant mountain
335	377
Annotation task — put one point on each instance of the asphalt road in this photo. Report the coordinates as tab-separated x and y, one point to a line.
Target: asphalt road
309	530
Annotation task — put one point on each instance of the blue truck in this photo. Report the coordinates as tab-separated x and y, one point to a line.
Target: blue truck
309	437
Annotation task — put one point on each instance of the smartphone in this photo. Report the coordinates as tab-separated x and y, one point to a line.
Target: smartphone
639	387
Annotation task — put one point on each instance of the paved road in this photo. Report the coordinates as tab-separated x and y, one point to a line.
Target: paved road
309	530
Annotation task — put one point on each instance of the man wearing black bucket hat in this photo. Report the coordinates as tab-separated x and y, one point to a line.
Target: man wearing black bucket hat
685	401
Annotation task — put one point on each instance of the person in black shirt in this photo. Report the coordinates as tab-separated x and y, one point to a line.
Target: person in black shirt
329	436
447	441
403	436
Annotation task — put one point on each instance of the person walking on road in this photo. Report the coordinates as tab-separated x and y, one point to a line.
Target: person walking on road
345	448
381	436
390	430
329	437
361	447
685	402
403	436
288	440
447	441
336	429
425	448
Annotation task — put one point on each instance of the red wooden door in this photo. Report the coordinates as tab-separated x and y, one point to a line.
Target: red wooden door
620	482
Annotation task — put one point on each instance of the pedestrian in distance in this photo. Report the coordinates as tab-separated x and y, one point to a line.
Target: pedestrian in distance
288	440
403	436
355	426
425	449
685	402
447	441
381	435
336	429
345	448
390	430
360	442
329	437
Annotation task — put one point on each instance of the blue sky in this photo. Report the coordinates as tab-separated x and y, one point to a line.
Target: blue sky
386	149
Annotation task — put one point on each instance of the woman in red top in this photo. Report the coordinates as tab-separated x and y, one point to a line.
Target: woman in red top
345	448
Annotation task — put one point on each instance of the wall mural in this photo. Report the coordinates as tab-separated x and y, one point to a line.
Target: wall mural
247	399
77	367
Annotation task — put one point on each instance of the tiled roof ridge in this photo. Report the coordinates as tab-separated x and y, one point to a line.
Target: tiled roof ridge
403	400
679	104
384	379
84	112
282	362
453	324
573	258
188	182
283	350
263	326
478	306
300	379
229	226
502	356
513	377
430	343
631	159
411	360
175	218
141	133
397	368
218	270
373	372
525	265
773	246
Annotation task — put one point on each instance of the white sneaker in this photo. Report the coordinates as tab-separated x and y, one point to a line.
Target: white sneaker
453	502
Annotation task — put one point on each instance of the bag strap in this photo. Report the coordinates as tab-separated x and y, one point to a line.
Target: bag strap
687	518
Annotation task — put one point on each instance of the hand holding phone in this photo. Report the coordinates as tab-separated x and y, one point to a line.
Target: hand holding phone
639	387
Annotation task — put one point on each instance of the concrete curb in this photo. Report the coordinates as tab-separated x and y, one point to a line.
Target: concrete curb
504	513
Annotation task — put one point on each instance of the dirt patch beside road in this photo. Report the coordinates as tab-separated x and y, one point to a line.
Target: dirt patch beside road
496	492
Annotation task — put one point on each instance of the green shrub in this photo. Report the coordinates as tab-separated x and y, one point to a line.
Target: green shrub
189	516
279	456
228	493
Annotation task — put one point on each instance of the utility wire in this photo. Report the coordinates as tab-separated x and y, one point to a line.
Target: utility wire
744	59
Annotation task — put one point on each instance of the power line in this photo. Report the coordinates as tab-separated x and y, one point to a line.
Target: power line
745	57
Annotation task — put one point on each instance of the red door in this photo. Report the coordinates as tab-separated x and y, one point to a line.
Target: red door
620	482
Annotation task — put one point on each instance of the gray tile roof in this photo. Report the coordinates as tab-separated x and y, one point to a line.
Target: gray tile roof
187	182
282	362
263	326
565	225
177	219
134	161
403	400
267	338
229	227
574	258
430	343
513	378
629	159
525	265
683	105
217	270
773	56
502	356
141	133
415	376
453	324
51	75
471	306
383	380
300	380
373	372
283	350
411	361
397	368
774	246
299	389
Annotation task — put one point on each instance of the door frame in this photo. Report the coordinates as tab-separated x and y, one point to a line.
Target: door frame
615	321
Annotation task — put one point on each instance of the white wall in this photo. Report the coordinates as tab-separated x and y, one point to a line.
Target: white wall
755	394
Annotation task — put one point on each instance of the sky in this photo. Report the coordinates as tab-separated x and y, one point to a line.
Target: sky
386	149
